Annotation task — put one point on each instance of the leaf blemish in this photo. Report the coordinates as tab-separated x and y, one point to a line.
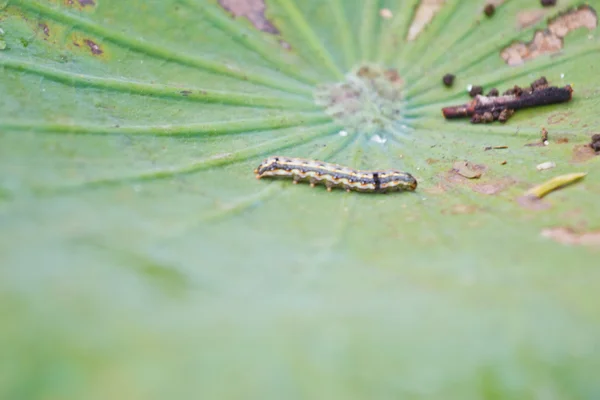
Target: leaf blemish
95	48
569	236
253	11
550	40
424	14
44	28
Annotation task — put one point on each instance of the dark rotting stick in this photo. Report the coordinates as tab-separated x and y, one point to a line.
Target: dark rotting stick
501	108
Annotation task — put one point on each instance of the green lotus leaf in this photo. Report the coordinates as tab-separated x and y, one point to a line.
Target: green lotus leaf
141	259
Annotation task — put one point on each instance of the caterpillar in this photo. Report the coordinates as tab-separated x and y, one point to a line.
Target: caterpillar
335	176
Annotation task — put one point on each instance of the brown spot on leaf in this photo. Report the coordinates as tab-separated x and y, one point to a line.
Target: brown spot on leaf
533	203
186	92
253	10
44	28
493	187
424	14
461	209
468	170
571	237
550	40
558	117
527	18
95	49
582	153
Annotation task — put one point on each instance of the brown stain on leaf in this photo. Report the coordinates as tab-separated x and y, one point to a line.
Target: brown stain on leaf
44	27
583	153
253	10
452	179
82	4
461	209
527	18
551	39
493	187
571	237
94	47
424	14
468	170
558	117
533	203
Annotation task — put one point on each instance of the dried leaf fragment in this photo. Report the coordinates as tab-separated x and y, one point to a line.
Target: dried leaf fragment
555	183
467	170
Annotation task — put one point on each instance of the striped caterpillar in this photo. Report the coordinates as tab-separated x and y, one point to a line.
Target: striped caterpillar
332	175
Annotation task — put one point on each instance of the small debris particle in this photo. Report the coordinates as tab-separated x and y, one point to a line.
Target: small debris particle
44	28
562	76
562	140
493	93
84	3
475	90
489	10
546	165
553	184
495	148
548	3
595	143
448	80
186	92
467	170
378	139
503	162
343	133
96	50
386	13
285	45
571	237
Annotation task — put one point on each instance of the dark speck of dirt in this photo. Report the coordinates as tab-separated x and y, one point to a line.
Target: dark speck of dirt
489	10
44	28
448	80
186	92
595	143
84	3
493	93
548	3
96	50
475	90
